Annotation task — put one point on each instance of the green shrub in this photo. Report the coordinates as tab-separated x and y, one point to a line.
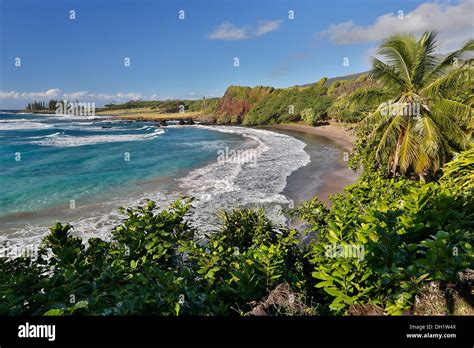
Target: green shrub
154	265
409	232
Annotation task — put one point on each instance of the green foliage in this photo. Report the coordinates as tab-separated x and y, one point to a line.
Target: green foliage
167	106
273	108
409	232
309	117
286	105
247	259
237	101
154	265
205	104
357	105
428	118
459	174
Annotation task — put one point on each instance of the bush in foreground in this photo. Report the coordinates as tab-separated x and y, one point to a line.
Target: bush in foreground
153	265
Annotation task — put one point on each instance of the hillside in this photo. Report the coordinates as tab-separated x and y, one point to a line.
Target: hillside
336	98
339	100
338	78
237	101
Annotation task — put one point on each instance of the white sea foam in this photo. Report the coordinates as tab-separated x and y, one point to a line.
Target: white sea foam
82	123
63	140
235	184
15	120
78	117
22	124
146	128
89	128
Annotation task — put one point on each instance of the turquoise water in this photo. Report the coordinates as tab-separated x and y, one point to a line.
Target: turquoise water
50	160
80	170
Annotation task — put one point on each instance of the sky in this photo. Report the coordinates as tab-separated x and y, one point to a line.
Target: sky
80	49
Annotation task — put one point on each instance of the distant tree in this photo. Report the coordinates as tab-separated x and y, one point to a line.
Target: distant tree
309	117
52	104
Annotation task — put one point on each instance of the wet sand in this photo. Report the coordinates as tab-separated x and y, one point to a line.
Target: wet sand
334	132
330	181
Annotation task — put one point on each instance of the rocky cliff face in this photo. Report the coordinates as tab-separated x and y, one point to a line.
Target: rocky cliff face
237	101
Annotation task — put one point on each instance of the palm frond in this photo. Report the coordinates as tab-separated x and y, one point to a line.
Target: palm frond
433	146
453	80
457	137
402	51
390	137
430	136
457	111
409	148
387	75
425	60
448	62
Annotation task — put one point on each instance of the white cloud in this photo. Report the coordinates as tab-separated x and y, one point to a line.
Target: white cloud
76	95
267	27
50	93
121	96
56	93
230	32
20	98
453	22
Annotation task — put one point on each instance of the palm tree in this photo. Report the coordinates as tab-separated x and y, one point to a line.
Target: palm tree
430	116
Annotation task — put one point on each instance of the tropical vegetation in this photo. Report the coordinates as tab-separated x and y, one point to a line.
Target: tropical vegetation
405	225
429	117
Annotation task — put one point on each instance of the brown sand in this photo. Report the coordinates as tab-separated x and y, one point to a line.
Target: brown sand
336	180
335	132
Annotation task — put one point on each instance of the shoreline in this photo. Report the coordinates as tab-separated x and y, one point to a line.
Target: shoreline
329	179
94	218
336	133
333	181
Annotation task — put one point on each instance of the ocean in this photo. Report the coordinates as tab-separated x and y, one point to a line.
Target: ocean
81	169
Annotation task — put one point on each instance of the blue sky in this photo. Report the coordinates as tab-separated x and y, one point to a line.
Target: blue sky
194	57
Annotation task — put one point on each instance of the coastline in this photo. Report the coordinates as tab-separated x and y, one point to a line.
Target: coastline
333	181
212	183
334	132
323	173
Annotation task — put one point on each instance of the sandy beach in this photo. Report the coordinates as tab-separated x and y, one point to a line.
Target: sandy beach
334	132
335	180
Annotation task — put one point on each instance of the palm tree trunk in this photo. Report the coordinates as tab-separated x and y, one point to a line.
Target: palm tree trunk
397	152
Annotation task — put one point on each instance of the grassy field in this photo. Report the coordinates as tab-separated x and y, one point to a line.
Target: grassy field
149	114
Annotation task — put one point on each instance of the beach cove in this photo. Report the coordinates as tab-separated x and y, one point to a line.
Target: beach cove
90	158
